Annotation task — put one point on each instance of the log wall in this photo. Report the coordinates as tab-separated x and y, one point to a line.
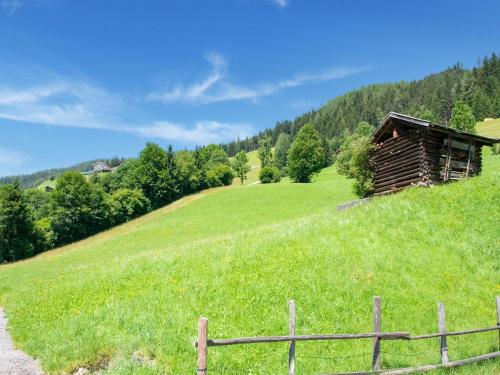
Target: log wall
399	162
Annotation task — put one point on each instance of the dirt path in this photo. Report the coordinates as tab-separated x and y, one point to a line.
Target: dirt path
13	361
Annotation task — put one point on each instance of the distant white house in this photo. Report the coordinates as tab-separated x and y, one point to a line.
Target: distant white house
101	167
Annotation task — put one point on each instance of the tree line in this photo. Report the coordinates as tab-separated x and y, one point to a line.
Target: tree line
34	179
32	220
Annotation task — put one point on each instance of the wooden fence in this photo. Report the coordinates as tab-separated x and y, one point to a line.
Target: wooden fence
376	336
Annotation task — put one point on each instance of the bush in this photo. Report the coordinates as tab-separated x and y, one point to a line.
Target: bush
127	204
46	236
220	175
269	175
495	149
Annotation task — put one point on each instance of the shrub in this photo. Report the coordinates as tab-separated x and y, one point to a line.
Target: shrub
269	174
46	236
495	149
220	175
127	204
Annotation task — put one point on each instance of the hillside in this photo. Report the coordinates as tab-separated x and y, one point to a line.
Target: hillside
489	128
238	253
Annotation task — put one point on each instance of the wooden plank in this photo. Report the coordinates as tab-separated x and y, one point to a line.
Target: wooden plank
442	329
269	339
388	165
498	320
394	187
414	176
382	154
407	170
202	346
398	155
419	369
291	351
456	333
376	329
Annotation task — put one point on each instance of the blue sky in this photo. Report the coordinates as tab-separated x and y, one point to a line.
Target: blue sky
90	79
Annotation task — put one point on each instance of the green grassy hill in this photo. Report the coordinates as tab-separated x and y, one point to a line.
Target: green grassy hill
237	254
490	128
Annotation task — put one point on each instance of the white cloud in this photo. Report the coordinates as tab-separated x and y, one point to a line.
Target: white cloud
204	132
70	103
198	90
281	3
12	158
215	88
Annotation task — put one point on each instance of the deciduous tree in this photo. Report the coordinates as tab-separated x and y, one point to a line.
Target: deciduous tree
306	156
241	166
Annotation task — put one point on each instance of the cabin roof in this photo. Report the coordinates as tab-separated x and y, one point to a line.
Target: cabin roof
419	123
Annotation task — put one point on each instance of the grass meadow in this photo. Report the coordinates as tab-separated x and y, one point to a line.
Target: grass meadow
237	254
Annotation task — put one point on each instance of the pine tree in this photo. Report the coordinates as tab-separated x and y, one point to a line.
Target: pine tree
462	118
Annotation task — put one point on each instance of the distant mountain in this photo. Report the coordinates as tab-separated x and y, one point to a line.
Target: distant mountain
432	96
34	179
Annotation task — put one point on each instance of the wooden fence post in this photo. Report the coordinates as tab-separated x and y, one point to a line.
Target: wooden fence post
498	320
291	352
202	346
376	329
442	329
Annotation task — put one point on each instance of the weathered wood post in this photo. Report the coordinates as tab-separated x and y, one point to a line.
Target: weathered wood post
498	320
442	329
376	329
291	351
202	346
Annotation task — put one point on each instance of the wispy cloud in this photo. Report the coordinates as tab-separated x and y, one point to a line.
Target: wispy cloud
203	132
12	158
281	3
10	6
216	88
77	104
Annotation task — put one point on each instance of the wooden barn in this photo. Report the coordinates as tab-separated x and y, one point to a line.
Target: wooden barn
411	151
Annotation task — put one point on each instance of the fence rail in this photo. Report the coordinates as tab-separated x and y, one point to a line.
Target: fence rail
377	336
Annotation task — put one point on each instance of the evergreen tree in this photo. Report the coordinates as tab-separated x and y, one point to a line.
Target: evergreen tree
241	166
462	118
306	156
17	230
281	150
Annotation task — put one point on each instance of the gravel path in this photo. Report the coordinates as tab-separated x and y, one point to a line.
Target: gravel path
13	361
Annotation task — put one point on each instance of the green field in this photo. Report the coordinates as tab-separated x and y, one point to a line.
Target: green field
49	183
490	128
237	254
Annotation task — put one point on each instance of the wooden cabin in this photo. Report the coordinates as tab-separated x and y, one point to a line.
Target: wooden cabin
411	151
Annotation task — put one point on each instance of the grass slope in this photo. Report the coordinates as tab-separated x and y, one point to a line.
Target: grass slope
490	128
237	255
